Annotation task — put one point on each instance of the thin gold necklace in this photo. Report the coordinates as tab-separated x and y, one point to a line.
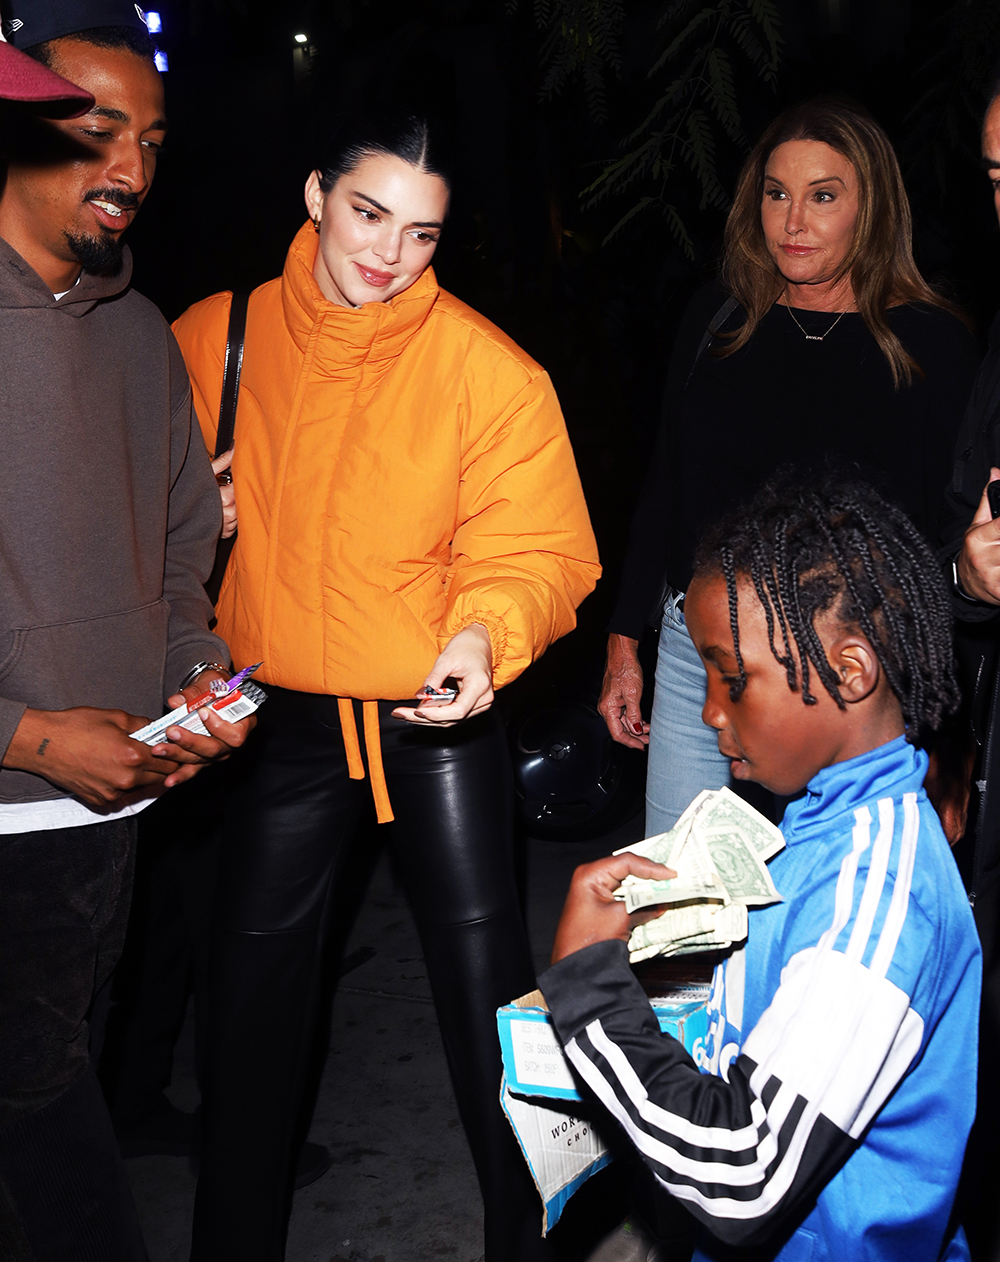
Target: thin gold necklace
817	337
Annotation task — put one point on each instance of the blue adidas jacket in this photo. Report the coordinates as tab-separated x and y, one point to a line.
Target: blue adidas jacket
826	1117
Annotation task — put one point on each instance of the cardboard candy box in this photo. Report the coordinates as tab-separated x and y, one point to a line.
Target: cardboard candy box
558	1133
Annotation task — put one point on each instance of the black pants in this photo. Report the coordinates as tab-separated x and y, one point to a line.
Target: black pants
166	948
451	796
64	898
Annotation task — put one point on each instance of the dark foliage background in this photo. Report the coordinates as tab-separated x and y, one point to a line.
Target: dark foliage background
598	142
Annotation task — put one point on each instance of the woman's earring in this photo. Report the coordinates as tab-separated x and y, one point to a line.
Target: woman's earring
316	223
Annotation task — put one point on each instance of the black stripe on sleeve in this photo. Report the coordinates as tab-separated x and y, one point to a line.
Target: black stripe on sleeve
709	1142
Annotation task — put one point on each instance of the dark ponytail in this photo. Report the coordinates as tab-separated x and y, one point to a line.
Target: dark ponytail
400	134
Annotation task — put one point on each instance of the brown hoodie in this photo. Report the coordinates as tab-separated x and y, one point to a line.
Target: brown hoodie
109	514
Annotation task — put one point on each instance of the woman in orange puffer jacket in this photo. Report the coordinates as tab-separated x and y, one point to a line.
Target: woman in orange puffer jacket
409	514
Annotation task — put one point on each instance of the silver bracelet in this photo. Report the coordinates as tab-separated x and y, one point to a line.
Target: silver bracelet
959	590
195	671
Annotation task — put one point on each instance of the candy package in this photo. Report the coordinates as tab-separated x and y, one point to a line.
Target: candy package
231	699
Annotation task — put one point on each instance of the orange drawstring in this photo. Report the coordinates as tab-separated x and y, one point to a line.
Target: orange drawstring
373	744
355	767
373	747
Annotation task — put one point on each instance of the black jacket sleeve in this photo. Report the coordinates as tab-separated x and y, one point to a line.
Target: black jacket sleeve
747	1159
646	556
976	450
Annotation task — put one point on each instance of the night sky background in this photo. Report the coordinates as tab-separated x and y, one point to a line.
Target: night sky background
540	96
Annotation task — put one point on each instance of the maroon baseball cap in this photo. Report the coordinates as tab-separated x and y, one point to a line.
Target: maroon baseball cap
24	79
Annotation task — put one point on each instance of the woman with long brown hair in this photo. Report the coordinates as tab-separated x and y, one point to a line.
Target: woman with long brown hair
823	341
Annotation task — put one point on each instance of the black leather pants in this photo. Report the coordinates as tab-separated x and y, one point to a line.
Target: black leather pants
450	791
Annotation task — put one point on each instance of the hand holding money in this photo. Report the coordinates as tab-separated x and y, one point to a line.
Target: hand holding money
718	850
592	913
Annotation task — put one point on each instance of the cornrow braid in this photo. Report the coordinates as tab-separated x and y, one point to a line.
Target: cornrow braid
812	545
729	570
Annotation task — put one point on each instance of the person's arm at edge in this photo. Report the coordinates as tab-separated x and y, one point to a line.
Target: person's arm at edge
193	528
194	524
645	562
963	513
646	551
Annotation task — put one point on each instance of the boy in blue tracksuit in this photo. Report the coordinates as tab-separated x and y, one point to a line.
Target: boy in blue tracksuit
829	1115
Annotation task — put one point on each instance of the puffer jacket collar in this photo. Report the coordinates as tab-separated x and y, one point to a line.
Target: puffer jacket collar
374	332
21	286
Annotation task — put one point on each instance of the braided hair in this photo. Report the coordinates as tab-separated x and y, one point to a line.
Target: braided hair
809	545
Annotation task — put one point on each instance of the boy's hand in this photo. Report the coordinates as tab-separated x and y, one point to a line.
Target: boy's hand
592	914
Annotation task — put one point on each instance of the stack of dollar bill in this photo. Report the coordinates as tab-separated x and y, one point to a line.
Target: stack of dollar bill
718	848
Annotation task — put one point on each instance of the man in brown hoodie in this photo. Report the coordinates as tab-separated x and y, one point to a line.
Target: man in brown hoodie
109	515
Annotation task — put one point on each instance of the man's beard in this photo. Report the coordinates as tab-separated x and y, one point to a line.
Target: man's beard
100	255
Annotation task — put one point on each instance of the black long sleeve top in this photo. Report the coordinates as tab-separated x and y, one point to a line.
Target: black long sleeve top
729	423
976	450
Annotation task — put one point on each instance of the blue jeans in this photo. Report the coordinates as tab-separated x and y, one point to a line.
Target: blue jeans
683	755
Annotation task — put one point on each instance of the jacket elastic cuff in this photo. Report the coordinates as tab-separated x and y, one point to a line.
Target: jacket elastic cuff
591	983
967	609
496	627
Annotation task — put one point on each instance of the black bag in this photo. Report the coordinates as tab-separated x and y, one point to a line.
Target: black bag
232	366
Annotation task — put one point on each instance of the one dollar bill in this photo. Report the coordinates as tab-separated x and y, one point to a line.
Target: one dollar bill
697	878
718	849
726	926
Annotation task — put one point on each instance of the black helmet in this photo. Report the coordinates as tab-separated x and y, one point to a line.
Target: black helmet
572	780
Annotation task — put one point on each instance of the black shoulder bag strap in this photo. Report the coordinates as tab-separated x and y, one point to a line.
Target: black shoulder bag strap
714	325
232	367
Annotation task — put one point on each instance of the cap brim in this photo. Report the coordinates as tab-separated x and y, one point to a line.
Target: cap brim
26	80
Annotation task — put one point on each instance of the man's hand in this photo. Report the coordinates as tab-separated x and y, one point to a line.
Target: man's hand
189	749
88	752
979	561
468	659
591	913
621	693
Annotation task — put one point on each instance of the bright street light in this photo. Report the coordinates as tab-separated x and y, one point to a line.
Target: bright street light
302	39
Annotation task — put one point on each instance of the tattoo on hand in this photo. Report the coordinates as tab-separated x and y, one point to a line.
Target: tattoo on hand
41	748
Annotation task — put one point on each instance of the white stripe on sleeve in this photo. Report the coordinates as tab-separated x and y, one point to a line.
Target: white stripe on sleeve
833	1043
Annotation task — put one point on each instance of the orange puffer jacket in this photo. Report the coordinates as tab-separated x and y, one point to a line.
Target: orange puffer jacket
401	470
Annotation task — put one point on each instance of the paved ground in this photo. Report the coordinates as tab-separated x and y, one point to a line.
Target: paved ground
401	1187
